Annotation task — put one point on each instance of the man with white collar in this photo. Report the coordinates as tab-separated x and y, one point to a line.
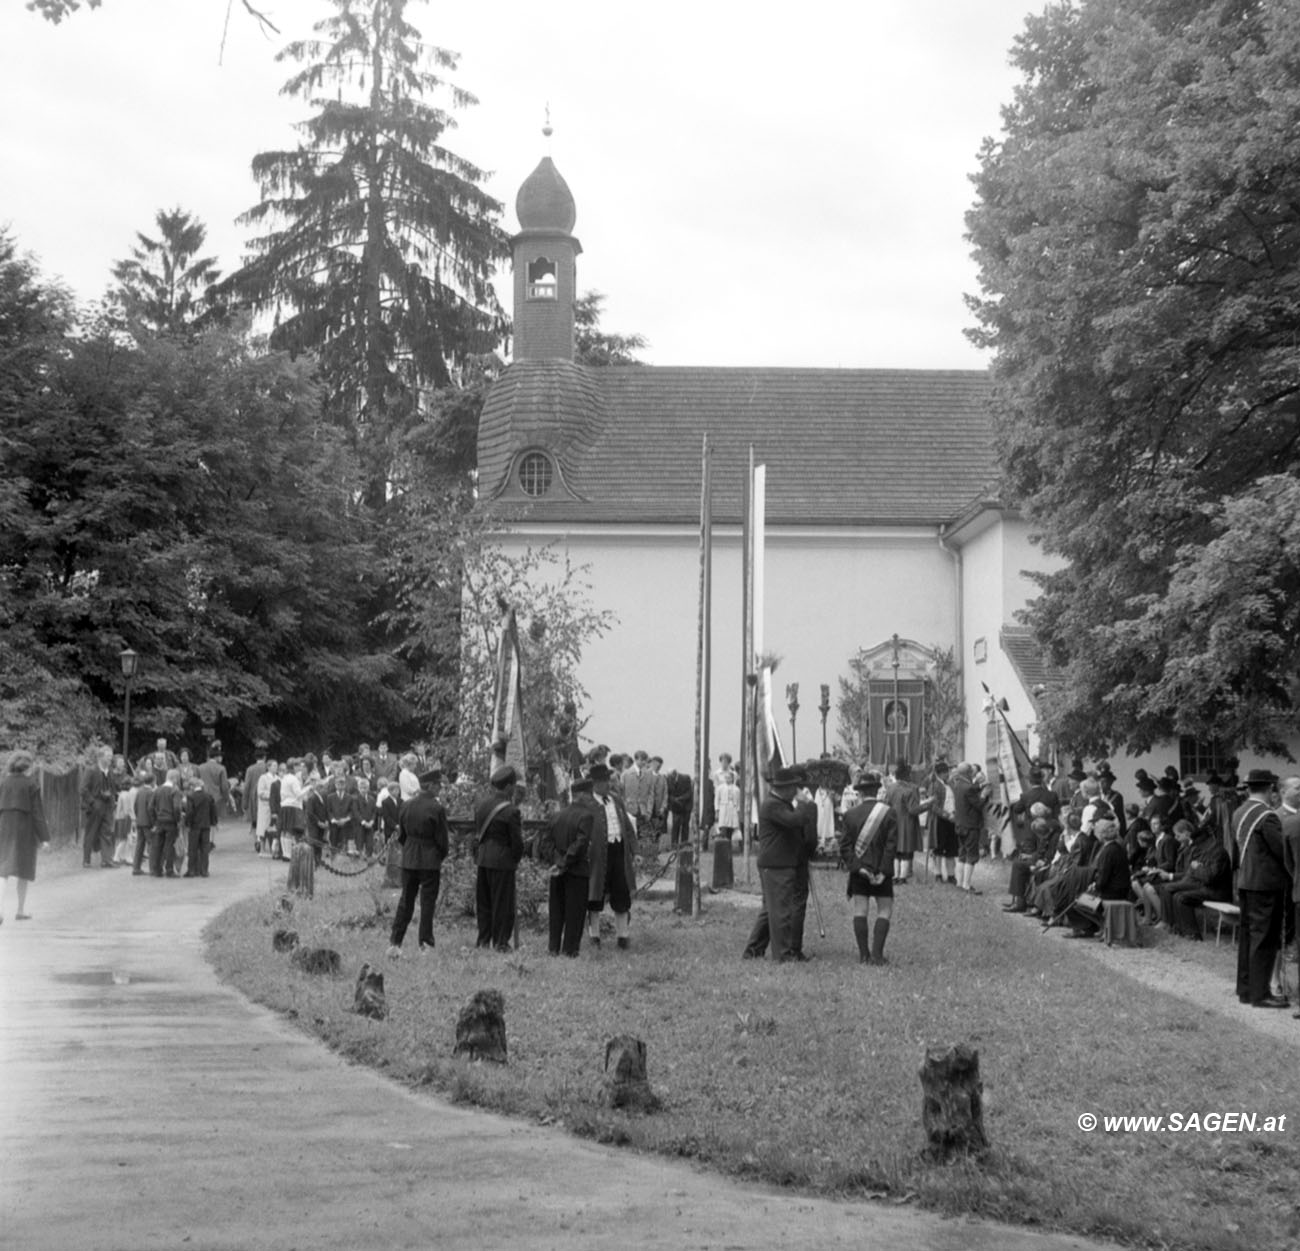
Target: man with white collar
613	860
1261	884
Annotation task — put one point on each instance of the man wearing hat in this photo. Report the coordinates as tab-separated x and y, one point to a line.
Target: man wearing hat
613	859
1114	799
252	776
499	838
943	815
867	845
424	839
787	837
566	847
970	798
1259	860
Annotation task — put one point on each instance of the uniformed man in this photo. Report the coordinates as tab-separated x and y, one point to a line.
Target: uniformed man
424	839
1259	859
499	833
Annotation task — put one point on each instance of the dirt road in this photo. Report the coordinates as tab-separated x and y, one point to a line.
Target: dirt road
144	1105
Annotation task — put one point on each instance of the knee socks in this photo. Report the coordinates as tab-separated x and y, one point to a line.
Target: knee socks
862	932
878	937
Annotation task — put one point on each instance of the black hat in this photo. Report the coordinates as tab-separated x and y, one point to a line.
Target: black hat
1167	783
869	781
506	775
1146	785
431	778
1258	778
1104	772
1077	774
788	776
599	773
1214	780
580	786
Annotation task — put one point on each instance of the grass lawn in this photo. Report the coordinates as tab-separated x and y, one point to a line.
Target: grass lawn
806	1075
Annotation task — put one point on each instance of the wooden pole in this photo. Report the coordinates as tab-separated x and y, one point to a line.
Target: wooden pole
692	865
707	694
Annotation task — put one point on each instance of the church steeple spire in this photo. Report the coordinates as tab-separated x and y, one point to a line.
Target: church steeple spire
545	260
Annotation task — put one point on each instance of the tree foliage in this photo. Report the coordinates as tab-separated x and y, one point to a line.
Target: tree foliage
165	285
185	497
1137	230
380	244
597	347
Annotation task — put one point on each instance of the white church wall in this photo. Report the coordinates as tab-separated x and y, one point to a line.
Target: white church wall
829	593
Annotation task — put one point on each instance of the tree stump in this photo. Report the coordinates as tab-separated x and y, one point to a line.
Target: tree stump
684	898
284	940
624	1084
318	960
481	1028
724	871
302	870
369	999
952	1108
285	904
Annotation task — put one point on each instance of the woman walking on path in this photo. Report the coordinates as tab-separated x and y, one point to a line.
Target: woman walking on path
22	829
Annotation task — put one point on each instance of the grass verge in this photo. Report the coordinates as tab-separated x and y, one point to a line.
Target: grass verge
806	1076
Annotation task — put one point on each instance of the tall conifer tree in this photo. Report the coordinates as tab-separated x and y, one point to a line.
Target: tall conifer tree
380	243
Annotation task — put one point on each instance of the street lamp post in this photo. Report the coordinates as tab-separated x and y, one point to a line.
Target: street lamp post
129	661
792	702
825	709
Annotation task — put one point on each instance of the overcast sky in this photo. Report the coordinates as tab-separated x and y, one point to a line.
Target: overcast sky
756	183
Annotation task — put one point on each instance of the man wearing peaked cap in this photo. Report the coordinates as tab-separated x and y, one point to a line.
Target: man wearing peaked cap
499	847
424	839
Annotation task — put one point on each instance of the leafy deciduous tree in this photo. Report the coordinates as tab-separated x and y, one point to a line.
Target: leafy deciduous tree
1138	235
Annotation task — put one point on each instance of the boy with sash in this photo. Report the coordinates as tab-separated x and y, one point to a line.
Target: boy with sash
868	845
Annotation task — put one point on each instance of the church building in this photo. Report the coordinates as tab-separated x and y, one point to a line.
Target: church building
884	538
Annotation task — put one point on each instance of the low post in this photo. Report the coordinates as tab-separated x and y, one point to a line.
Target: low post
952	1108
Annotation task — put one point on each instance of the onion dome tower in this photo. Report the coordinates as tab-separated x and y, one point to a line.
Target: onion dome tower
545	261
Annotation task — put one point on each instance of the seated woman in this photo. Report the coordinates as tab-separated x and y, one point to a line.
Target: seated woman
1032	857
1141	865
1068	875
1108	878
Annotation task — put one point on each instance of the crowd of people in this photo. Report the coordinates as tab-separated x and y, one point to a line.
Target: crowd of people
1078	845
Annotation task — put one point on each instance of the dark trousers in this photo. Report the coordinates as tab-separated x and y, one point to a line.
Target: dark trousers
143	837
1021	879
800	912
494	904
162	850
617	890
424	883
98	835
1259	938
760	935
1183	904
566	908
199	845
779	896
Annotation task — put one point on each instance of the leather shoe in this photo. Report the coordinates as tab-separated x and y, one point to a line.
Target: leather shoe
1014	908
1271	1002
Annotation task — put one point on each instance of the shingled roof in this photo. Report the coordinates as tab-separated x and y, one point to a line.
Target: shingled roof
842	446
1028	658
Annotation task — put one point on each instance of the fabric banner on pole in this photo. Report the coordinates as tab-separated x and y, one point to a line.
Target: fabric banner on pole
508	707
760	544
1013	766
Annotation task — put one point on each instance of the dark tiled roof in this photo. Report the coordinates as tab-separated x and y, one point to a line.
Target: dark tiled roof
842	446
1028	659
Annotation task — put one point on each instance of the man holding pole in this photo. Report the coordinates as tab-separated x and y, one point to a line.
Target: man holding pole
787	837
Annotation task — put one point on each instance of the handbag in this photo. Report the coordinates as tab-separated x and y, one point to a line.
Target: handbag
1091	902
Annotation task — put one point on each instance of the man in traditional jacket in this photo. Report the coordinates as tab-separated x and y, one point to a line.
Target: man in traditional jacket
1260	863
613	860
566	847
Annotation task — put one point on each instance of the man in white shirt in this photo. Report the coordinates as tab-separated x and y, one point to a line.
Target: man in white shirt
612	855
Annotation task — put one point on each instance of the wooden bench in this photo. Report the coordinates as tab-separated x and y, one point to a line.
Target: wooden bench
1223	912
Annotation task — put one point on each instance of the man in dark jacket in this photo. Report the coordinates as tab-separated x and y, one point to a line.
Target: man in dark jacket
787	837
1260	863
1109	879
98	801
499	831
868	845
1209	877
566	847
424	838
970	797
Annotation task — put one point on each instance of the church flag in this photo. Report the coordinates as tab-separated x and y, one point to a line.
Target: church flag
508	705
767	737
1013	762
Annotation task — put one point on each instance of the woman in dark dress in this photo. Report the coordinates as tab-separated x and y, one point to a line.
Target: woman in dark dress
22	829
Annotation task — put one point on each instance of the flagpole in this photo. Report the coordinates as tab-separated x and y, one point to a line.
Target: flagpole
746	656
688	867
706	703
